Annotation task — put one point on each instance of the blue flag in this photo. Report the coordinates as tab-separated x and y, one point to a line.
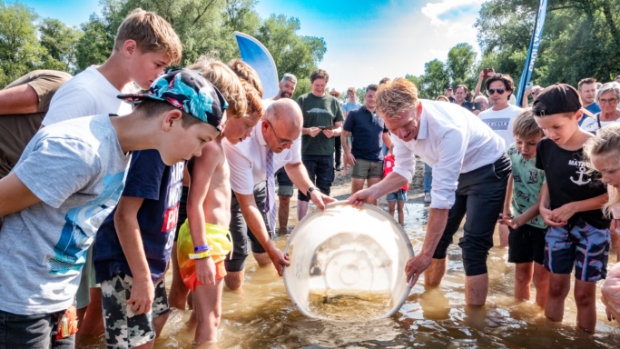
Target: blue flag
254	53
533	50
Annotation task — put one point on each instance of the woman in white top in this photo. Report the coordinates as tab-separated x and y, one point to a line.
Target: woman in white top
607	97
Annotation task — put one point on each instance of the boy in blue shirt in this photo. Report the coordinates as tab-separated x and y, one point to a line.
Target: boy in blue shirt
526	242
134	243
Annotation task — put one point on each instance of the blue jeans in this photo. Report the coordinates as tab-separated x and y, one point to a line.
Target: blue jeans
428	178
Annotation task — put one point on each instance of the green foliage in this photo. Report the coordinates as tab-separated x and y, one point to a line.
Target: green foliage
59	40
581	39
20	51
303	86
95	44
459	65
294	54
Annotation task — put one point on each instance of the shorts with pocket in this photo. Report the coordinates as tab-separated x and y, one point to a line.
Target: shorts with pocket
123	328
365	169
400	196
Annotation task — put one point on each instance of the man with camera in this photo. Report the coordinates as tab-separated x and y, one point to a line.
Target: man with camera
323	118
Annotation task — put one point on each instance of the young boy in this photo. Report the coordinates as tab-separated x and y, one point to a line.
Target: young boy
570	205
208	206
526	241
133	245
144	46
399	196
66	183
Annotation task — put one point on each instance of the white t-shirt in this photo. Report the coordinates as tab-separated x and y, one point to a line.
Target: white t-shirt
76	168
88	93
590	124
452	141
248	160
501	122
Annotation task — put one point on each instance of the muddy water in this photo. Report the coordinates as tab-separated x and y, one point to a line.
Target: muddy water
262	316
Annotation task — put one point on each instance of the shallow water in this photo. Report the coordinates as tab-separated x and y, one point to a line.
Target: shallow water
262	316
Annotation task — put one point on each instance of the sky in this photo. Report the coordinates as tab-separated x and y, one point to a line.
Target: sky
366	40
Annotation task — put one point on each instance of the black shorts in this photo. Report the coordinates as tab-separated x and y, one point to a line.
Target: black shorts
526	244
182	212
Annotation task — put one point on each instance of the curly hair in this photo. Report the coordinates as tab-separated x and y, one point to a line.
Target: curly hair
244	71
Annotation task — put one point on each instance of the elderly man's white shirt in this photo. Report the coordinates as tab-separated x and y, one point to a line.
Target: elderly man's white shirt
452	141
248	160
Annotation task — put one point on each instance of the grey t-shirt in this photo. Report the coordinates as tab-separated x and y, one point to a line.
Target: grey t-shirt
77	169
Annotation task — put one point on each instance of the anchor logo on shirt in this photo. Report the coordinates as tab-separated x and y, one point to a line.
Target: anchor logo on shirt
582	171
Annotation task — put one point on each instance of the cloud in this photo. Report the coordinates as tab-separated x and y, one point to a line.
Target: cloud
442	13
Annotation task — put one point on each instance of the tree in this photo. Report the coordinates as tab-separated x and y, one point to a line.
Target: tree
20	51
460	63
294	54
59	40
95	44
435	79
303	86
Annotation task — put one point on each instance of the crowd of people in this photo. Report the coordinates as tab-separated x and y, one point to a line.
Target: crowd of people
110	177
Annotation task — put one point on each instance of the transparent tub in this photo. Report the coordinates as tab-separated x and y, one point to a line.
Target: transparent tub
347	264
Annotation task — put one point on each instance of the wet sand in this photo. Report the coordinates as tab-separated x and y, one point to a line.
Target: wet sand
262	316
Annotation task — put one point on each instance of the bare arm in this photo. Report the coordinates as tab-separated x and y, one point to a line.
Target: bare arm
508	198
387	140
437	219
565	212
299	176
343	140
254	219
479	84
14	195
128	232
203	169
389	184
21	99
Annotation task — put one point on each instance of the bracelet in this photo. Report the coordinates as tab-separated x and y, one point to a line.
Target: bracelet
202	248
201	255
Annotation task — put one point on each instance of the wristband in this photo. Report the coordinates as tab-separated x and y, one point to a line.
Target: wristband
310	190
202	248
201	255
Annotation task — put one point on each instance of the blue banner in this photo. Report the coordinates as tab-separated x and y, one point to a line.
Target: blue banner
533	50
254	53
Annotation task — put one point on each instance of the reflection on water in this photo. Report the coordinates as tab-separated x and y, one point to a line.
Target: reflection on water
262	316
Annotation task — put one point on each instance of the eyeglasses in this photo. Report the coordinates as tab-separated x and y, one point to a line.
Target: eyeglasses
610	101
498	90
280	141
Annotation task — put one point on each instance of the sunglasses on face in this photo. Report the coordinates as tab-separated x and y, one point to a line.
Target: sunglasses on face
498	90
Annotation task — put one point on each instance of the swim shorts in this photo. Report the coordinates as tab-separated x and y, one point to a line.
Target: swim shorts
578	244
218	238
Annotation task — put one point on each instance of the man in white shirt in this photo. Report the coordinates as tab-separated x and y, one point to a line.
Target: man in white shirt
501	117
470	172
275	142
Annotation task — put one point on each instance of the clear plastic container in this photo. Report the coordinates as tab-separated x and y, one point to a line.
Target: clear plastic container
348	264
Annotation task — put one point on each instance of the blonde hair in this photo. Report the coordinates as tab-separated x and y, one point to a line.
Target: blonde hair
525	125
395	97
220	75
247	73
151	33
605	143
253	98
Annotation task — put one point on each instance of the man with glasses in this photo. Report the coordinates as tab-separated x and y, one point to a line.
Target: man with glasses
274	143
470	172
501	116
323	118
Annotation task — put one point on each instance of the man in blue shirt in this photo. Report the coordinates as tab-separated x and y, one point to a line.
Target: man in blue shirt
461	93
369	134
587	92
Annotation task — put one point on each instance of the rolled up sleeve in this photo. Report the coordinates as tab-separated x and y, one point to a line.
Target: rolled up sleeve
446	171
404	159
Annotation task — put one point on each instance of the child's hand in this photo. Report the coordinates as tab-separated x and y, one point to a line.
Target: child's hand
563	213
546	214
141	296
514	223
205	271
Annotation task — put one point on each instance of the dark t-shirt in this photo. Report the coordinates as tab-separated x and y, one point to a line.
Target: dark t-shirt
367	130
319	111
18	130
570	179
160	186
